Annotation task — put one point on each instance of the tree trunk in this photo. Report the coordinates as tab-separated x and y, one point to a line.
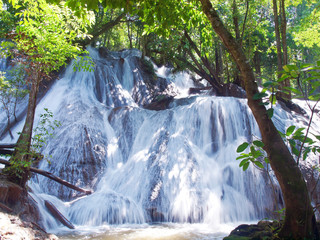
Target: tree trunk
212	77
219	63
277	32
130	35
298	222
286	83
235	17
257	66
24	142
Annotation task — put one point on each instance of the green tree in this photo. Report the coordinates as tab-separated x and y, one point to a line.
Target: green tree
298	223
43	42
11	91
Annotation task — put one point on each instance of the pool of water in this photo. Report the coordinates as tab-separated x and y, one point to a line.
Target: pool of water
148	232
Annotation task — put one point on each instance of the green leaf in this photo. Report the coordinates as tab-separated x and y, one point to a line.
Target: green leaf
273	99
315	97
243	162
242	147
282	134
260	95
256	153
283	77
292	142
270	113
290	68
294	90
290	130
269	83
242	156
299	132
306	152
266	160
295	151
317	136
245	166
258	164
258	143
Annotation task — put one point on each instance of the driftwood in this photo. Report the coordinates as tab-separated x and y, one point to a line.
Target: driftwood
53	177
58	215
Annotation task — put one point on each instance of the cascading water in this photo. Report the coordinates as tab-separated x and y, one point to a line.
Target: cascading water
176	165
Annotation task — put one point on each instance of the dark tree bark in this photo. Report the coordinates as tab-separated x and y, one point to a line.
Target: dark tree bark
277	32
257	66
235	17
244	21
57	214
210	73
24	141
286	83
298	222
281	42
129	34
219	63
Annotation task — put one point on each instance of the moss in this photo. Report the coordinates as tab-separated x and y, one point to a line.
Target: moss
148	68
236	238
264	230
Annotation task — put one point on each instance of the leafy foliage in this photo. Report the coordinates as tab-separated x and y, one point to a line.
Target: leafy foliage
42	133
11	91
253	156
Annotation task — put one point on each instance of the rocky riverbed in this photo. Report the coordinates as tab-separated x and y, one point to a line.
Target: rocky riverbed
13	228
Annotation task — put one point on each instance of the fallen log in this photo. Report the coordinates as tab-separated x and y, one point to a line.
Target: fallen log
52	177
5	151
7	145
58	215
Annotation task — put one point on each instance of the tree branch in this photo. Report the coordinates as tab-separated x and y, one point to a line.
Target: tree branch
244	22
52	177
104	28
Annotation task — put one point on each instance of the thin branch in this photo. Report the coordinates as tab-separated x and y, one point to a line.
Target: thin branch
305	137
244	22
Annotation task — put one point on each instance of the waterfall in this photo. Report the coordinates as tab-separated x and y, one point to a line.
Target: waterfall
175	165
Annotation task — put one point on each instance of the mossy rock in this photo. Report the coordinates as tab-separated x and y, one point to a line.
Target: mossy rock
264	230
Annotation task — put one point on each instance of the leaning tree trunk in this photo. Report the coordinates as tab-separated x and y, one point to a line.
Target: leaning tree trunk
24	142
298	216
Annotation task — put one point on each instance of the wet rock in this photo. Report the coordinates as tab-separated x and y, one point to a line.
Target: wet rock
22	222
291	106
233	90
104	52
155	215
160	103
261	231
199	90
10	193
